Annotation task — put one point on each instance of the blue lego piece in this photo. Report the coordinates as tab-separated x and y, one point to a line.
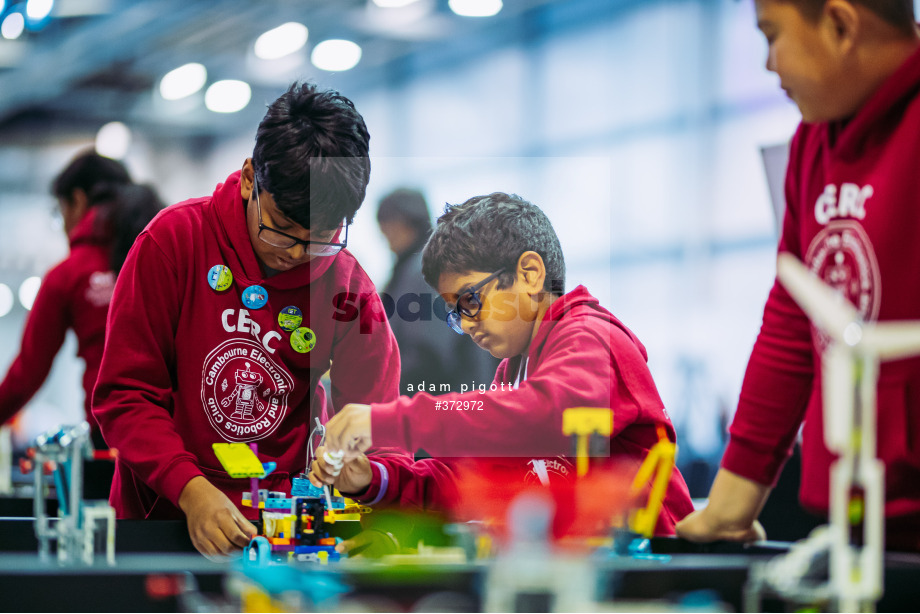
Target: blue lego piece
278	504
301	487
307	550
320	587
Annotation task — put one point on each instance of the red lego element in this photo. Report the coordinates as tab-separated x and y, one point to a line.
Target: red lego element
25	465
110	454
163	586
587	507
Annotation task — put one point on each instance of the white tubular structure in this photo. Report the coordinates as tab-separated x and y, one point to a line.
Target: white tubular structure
850	367
78	522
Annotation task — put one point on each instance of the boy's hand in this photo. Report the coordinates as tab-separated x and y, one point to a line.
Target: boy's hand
734	504
699	526
216	526
348	476
350	430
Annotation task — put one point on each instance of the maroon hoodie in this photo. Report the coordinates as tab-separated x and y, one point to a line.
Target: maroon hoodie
74	294
187	365
853	195
582	356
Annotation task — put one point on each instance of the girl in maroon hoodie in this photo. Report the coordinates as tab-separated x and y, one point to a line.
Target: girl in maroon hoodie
103	214
852	196
497	260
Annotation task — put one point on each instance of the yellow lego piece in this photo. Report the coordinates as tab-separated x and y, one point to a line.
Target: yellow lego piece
238	460
582	422
660	462
587	420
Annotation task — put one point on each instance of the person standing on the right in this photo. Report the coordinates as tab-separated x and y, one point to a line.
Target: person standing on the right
852	194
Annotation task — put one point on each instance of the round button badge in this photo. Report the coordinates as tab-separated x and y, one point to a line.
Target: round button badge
290	318
219	277
255	297
303	340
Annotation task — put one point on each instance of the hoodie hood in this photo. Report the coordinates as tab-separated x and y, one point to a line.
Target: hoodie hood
578	301
227	214
881	113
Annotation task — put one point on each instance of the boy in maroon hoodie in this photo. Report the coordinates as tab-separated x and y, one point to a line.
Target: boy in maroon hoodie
498	264
852	195
224	320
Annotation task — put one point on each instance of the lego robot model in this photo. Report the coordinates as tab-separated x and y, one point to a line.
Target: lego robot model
854	539
79	522
295	527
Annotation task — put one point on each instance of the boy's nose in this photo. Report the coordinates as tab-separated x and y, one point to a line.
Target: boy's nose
771	62
297	252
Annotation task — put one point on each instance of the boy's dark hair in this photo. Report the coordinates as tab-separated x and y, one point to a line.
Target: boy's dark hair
311	155
898	13
407	206
124	211
87	171
488	233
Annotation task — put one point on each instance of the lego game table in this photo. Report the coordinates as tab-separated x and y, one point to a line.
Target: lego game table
157	569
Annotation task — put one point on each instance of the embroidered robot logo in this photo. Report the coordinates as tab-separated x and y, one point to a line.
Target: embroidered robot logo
842	256
244	393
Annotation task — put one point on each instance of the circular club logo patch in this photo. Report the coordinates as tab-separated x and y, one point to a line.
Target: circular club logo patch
842	256
244	393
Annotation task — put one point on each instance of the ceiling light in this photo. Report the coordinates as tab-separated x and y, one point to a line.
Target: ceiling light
183	81
12	26
394	4
113	140
281	41
28	290
475	8
6	300
36	10
227	96
336	55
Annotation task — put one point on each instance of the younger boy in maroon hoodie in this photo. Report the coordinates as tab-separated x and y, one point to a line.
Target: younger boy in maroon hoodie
498	264
224	319
852	196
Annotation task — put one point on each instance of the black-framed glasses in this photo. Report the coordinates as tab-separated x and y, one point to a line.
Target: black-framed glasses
469	303
277	238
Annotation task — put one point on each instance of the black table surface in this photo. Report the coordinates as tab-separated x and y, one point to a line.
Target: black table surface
147	550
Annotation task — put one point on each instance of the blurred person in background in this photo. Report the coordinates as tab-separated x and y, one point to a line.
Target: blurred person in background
103	212
431	353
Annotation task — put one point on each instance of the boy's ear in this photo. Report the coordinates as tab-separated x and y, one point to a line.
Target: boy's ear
246	179
532	271
843	20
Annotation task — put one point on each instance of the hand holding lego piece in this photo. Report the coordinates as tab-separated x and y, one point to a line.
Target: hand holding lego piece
216	526
350	476
734	504
350	430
